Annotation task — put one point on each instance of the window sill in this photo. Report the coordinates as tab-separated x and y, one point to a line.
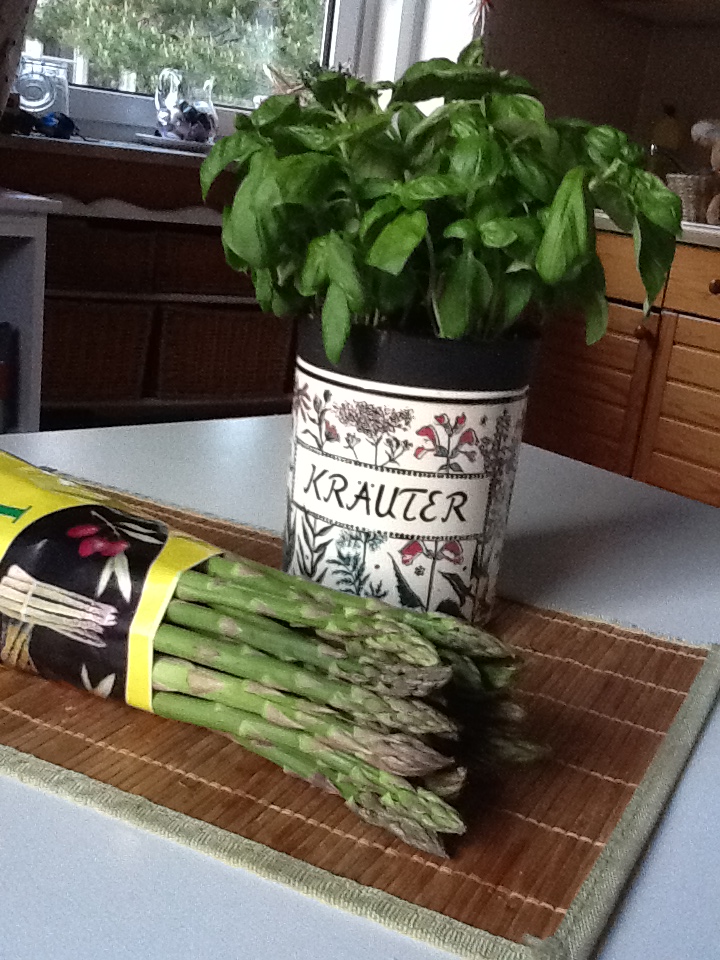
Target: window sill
105	149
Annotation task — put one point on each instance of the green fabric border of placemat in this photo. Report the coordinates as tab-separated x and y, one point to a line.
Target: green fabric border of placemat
578	932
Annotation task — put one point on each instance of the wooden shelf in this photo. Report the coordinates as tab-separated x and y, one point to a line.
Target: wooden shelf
75	414
200	299
687	12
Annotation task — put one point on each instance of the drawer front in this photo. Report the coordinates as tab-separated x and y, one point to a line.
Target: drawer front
223	353
617	253
680	447
192	261
99	255
694	276
94	350
586	402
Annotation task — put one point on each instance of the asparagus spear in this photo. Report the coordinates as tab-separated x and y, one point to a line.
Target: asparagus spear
364	805
240	660
394	793
436	627
292	646
329	620
397	753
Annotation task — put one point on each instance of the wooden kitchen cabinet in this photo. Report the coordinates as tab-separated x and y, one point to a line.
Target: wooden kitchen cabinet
679	446
586	402
645	401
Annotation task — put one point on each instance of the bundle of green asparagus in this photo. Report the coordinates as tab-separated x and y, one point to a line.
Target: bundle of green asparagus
386	707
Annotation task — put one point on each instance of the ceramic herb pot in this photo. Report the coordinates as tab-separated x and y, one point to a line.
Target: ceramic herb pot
402	467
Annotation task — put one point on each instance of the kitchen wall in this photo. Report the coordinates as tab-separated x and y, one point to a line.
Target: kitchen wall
585	60
684	69
591	62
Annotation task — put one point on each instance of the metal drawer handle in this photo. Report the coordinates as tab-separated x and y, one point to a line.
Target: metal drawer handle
714	287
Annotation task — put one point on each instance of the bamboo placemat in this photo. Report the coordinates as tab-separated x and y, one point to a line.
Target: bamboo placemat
549	848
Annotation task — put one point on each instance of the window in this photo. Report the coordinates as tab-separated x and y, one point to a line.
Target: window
122	45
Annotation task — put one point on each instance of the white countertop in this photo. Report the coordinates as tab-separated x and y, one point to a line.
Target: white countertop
580	539
698	234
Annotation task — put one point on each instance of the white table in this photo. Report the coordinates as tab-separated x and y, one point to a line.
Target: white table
79	885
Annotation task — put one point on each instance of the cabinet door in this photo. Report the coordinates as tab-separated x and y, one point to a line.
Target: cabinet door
679	446
587	402
617	255
694	284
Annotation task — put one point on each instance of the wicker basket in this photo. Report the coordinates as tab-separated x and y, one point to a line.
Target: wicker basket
222	353
94	350
695	190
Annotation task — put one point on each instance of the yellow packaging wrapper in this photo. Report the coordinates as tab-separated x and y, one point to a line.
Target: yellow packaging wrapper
84	584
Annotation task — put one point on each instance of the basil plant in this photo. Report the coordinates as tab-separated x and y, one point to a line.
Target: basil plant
355	206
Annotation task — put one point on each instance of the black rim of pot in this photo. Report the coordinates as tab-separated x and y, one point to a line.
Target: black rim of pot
389	356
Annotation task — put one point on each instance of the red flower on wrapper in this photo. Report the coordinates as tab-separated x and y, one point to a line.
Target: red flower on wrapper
459	421
331	432
411	551
83	530
451	551
113	549
469	436
90	545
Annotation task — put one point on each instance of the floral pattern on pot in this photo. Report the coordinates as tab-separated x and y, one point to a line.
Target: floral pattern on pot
399	493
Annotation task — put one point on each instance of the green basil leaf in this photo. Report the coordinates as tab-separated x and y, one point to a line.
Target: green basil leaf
335	322
373	123
342	271
533	175
237	148
304	178
408	117
477	159
522	117
264	287
373	188
498	233
242	233
654	253
656	202
313	138
466	294
614	201
494	210
397	241
441	77
274	108
586	292
568	232
514	107
519	289
594	303
605	144
414	192
234	260
378	215
464	229
314	274
473	54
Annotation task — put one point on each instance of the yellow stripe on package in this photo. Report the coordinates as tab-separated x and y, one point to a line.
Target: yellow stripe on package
84	585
